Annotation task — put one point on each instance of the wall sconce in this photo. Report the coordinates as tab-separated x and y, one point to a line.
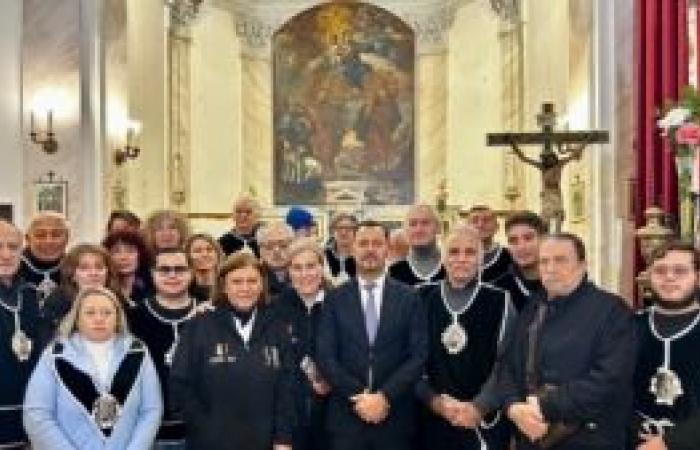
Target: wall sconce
46	140
130	150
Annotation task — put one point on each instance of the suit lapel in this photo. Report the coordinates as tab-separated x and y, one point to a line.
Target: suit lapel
356	313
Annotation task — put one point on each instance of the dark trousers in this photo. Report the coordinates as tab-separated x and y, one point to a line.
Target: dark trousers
370	441
310	438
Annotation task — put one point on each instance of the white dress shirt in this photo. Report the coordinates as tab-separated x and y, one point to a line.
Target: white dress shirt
377	292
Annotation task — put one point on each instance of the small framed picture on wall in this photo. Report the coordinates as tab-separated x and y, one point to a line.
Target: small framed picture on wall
50	195
6	212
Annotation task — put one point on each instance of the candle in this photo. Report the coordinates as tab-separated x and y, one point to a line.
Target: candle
31	121
49	122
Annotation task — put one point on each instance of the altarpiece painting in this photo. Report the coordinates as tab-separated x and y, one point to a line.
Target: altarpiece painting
344	107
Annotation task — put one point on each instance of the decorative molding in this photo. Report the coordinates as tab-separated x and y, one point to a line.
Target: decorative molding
507	10
183	12
256	21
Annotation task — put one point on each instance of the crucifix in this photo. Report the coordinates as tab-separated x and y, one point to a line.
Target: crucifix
569	146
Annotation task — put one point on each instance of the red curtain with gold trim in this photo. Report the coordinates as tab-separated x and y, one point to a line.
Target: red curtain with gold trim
661	62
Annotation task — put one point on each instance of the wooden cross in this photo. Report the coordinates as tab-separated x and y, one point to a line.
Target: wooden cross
569	146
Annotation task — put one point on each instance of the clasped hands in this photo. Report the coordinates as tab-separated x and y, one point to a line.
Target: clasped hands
372	408
528	417
652	442
456	412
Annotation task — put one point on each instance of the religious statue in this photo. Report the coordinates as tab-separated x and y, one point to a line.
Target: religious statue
551	162
551	166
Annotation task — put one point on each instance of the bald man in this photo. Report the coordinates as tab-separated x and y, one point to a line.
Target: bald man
19	337
246	220
423	263
47	238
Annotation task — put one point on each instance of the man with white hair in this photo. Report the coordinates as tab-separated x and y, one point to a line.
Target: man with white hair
19	337
47	238
423	262
274	239
246	216
469	325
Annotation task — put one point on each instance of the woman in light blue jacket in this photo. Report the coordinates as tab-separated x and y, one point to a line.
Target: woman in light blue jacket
95	387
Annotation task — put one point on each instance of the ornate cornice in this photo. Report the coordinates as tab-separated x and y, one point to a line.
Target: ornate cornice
183	12
256	20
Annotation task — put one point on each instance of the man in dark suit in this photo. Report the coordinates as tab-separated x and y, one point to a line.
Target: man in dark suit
372	344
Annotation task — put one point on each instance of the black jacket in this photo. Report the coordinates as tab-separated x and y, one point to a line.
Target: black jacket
231	242
498	265
685	436
302	325
587	349
519	287
396	358
233	396
14	373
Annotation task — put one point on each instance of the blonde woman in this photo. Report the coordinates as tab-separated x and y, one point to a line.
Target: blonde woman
205	257
300	307
95	386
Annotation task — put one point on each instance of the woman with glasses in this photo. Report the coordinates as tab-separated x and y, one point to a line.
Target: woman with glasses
159	322
232	375
95	386
300	308
205	256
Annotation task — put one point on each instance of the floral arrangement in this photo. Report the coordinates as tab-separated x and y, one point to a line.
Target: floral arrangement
681	126
681	123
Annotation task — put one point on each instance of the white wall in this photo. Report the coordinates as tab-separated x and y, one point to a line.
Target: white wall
11	157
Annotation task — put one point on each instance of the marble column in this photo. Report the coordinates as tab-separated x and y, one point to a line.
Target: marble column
179	114
92	119
431	124
147	87
612	165
256	130
116	179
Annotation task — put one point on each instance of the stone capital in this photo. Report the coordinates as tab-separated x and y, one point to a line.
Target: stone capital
256	21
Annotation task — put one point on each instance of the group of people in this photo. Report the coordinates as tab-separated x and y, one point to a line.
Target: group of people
265	338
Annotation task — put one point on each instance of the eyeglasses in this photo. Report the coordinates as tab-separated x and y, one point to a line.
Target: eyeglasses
676	271
171	270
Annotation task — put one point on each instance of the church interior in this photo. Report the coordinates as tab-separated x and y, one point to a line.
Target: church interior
345	106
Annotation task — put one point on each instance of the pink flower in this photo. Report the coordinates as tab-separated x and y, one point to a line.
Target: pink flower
688	134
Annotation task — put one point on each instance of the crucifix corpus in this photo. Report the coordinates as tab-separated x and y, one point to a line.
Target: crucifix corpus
569	147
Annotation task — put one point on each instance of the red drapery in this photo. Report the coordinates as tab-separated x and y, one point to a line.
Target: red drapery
661	62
